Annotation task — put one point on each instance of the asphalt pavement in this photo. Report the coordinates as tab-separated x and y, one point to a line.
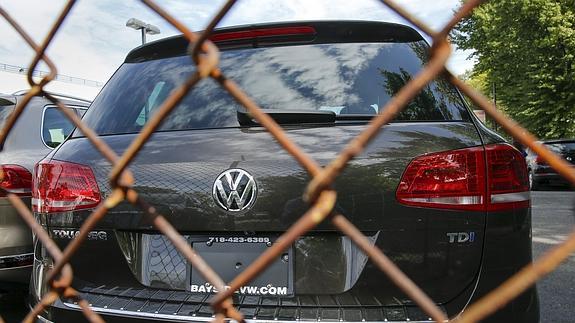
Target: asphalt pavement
553	220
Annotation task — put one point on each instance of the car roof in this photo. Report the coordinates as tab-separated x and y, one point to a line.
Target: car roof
324	32
66	99
557	141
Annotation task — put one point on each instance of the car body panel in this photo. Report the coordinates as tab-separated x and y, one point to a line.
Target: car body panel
177	179
15	242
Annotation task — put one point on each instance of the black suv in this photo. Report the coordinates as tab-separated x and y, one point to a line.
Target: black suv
540	173
446	199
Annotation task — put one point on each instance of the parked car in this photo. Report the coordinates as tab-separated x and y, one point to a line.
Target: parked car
444	197
540	173
41	128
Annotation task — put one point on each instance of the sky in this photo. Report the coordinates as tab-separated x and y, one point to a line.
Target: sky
94	40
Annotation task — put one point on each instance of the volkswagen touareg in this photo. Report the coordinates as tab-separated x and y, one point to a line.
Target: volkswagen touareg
444	197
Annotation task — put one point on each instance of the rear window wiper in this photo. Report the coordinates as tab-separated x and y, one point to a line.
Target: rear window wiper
354	117
301	116
289	116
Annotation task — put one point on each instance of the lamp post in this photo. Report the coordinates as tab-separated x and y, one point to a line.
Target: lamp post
143	27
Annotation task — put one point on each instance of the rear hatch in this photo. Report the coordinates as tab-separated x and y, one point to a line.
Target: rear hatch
178	179
177	171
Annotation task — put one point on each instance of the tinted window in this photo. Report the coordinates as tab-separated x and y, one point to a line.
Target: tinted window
562	147
5	111
352	78
56	127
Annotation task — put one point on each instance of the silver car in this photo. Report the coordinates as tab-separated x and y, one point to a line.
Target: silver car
40	128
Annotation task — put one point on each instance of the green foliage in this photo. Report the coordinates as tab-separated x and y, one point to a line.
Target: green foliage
480	82
527	49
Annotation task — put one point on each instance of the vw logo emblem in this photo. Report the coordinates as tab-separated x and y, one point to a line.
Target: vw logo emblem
235	190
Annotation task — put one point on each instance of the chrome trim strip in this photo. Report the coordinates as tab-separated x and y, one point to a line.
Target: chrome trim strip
451	200
31	255
511	197
201	319
19	255
43	320
12	268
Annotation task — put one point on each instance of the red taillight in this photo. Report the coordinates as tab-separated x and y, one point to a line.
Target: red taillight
16	179
61	186
507	178
453	179
457	180
264	32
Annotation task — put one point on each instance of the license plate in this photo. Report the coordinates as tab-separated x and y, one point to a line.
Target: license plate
229	256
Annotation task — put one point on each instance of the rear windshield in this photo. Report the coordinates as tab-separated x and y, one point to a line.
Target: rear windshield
346	78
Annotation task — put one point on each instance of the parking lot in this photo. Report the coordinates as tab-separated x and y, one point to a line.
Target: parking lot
553	219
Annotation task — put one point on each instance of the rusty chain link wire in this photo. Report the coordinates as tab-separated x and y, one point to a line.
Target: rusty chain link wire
318	194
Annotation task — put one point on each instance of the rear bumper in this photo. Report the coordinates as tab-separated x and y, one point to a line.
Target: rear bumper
184	311
16	268
147	305
70	312
507	249
15	246
15	235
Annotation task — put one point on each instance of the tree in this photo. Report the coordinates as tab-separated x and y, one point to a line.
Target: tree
527	49
479	81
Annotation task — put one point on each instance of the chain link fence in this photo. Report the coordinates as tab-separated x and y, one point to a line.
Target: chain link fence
319	194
